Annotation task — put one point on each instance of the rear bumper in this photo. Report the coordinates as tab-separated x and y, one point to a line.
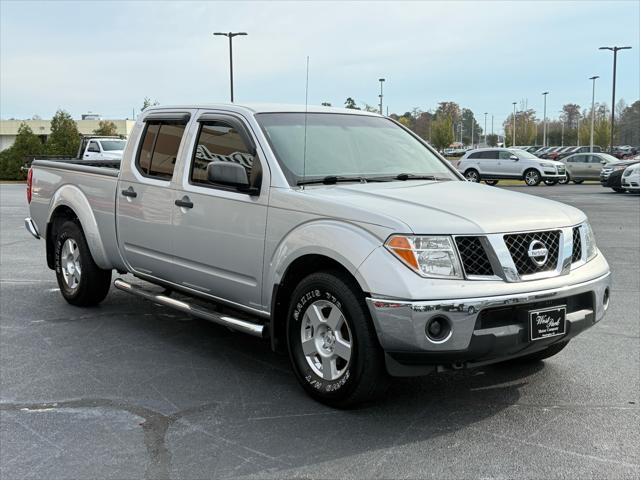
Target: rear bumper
483	330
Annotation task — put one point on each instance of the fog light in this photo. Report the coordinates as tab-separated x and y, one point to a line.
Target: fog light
438	329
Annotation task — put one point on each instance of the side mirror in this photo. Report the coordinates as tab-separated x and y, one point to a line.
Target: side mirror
603	162
230	174
514	158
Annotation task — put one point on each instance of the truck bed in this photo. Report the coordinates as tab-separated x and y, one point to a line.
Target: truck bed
89	185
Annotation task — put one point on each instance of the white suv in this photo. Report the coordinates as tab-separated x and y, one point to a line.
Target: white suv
493	164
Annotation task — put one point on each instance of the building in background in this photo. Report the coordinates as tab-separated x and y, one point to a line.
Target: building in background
42	128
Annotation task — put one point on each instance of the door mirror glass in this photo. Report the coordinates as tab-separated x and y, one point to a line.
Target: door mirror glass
514	158
227	173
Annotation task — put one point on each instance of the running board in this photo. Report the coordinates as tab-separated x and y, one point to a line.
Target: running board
243	326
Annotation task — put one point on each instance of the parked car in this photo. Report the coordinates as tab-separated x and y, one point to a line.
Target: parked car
362	255
585	166
494	164
631	178
550	151
611	174
539	152
95	148
584	149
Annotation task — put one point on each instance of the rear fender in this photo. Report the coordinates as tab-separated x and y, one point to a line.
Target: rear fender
72	197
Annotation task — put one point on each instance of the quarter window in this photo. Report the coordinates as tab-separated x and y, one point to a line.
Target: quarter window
220	142
159	150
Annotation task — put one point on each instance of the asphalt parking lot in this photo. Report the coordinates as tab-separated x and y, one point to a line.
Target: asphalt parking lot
131	390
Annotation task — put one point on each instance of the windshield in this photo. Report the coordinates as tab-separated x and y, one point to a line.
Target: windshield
110	145
346	146
523	153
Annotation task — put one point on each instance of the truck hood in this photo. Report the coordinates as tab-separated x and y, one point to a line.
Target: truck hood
453	207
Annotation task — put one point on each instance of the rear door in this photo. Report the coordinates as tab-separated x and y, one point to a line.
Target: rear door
488	163
219	231
580	166
145	196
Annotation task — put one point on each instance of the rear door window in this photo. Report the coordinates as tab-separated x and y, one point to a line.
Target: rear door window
159	150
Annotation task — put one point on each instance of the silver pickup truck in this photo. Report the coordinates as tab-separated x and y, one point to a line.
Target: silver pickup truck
338	235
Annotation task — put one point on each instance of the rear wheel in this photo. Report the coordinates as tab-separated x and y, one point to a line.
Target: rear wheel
491	182
472	175
81	281
532	177
332	343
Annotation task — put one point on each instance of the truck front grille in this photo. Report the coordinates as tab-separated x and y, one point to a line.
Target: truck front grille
576	252
474	257
519	244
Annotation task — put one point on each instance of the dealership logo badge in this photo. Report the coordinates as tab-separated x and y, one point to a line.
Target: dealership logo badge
538	253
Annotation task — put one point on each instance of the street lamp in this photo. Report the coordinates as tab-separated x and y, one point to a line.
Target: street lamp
613	94
381	80
485	129
230	35
593	111
544	121
513	137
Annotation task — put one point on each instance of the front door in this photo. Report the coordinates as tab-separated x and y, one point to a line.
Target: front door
145	200
219	231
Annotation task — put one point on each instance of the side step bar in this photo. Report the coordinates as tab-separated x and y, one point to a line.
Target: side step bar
243	326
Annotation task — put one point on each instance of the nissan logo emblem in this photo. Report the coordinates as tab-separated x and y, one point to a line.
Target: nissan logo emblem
538	252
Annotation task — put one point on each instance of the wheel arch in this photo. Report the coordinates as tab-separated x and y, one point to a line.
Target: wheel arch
70	203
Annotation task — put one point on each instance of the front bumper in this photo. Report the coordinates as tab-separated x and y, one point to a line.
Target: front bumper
631	182
483	329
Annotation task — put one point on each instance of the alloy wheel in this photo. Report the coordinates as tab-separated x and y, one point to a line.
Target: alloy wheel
70	263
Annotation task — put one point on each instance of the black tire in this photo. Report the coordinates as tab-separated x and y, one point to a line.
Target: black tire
578	182
87	285
542	354
532	177
472	175
363	377
491	182
551	182
565	180
618	189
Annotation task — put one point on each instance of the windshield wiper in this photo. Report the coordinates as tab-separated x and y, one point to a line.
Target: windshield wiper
412	176
333	179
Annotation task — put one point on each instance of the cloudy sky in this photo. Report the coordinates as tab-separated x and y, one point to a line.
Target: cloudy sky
106	56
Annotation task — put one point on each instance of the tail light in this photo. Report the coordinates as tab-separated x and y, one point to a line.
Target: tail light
29	184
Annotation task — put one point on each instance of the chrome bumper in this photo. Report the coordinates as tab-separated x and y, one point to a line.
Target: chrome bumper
31	227
401	324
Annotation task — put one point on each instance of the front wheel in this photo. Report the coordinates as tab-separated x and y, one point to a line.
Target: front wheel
472	175
565	180
491	182
532	177
618	189
332	343
81	281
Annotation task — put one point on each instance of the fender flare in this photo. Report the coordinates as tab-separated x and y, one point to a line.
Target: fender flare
345	242
72	197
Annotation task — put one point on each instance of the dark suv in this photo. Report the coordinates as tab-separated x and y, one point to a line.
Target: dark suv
611	174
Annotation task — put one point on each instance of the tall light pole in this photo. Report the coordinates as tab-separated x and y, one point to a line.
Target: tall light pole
230	35
485	129
593	111
473	124
513	136
544	120
381	80
613	94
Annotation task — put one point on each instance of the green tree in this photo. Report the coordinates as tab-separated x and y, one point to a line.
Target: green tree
371	108
12	159
326	104
147	102
442	132
628	127
492	140
351	103
106	128
64	138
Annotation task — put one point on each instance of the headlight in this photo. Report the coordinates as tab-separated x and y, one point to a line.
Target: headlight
620	167
543	164
428	256
590	241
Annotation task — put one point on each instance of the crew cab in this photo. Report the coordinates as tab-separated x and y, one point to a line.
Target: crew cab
339	236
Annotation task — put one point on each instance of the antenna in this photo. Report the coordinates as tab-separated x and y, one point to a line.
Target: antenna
306	110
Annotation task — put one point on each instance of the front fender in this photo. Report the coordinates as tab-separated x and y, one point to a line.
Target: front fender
72	197
347	243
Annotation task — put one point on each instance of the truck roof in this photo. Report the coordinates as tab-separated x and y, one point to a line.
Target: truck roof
264	108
